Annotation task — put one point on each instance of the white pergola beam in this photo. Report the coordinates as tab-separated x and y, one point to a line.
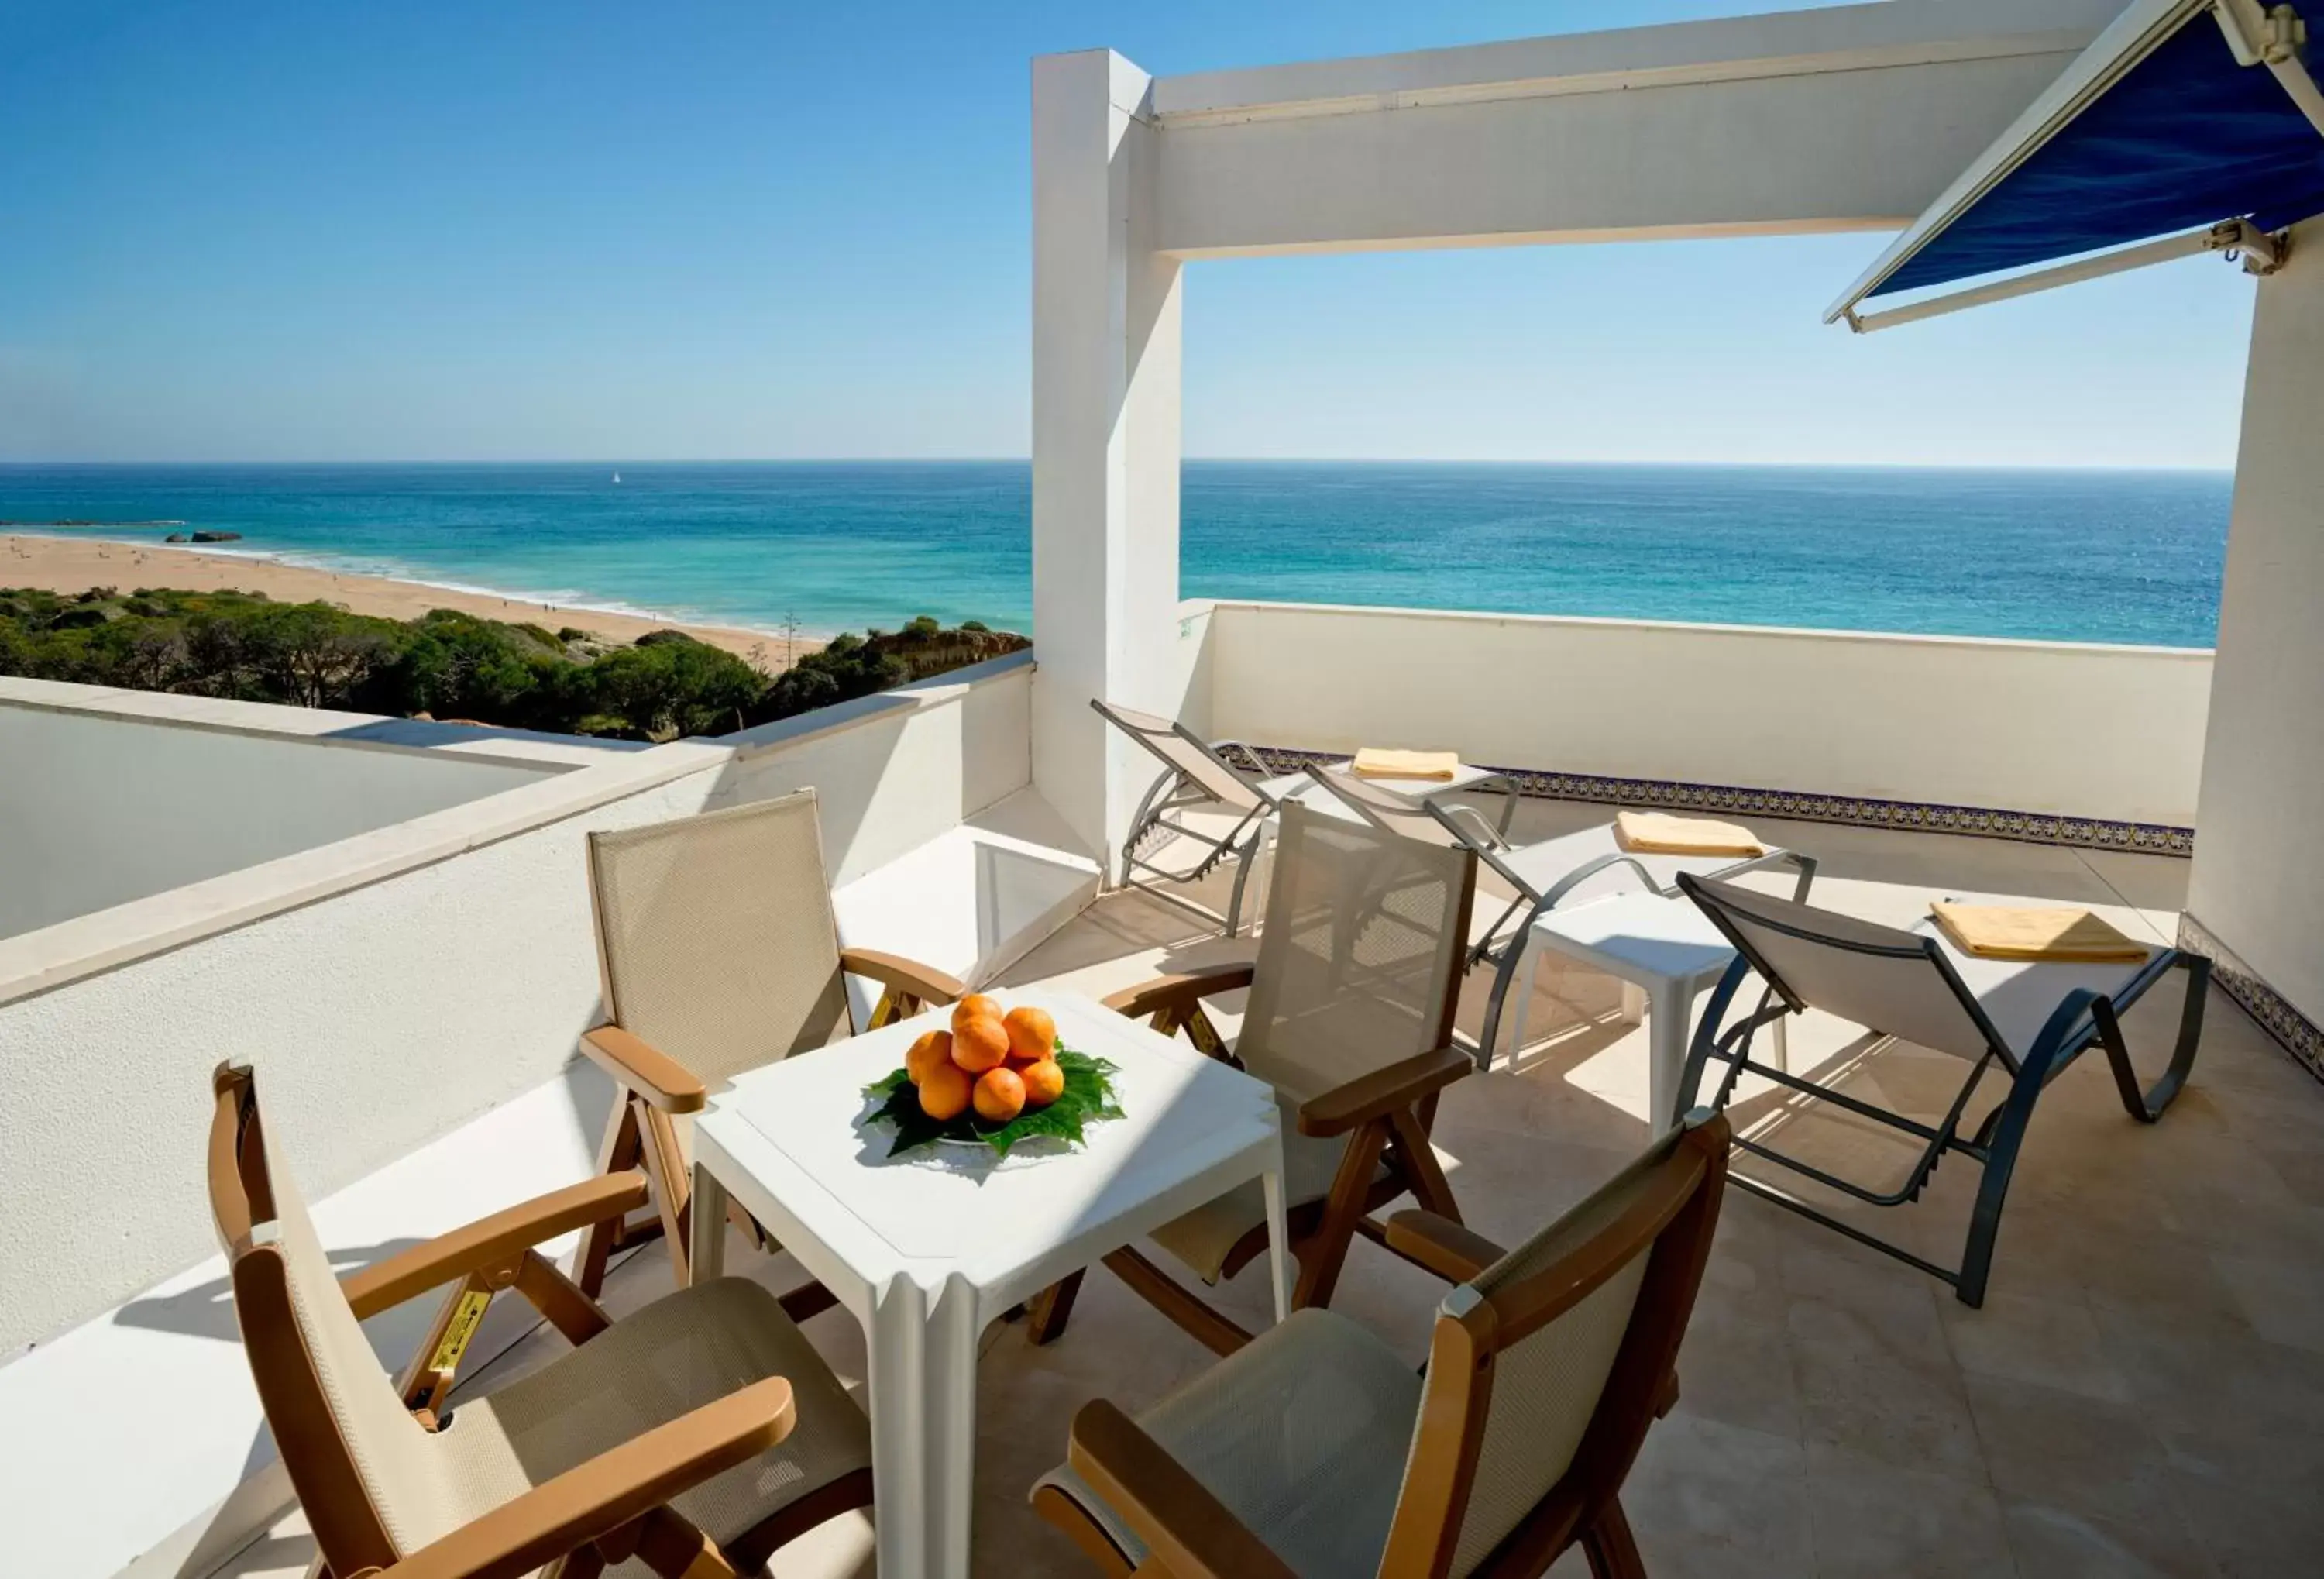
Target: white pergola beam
1708	128
1819	120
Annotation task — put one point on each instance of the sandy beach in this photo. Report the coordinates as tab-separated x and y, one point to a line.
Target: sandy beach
72	565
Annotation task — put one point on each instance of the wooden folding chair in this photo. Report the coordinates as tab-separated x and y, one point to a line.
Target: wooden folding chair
718	952
1317	1449
691	1439
1351	1016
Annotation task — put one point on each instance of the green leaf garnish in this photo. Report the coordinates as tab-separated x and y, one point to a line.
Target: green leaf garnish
1088	1095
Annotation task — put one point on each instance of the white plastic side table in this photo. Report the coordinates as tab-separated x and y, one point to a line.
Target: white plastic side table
1665	947
929	1249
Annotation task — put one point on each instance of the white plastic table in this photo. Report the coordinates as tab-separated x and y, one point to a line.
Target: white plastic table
926	1250
1668	948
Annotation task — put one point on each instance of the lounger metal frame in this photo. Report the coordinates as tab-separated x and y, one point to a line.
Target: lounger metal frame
1177	790
2082	1019
1503	947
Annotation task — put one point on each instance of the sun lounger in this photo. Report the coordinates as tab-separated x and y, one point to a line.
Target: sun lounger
1202	813
2028	1020
1541	875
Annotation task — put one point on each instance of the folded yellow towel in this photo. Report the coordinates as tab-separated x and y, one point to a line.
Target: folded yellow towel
2005	932
1657	832
1372	762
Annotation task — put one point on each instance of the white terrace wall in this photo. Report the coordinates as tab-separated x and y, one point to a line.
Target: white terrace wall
894	770
392	986
379	1017
101	807
2258	883
2066	728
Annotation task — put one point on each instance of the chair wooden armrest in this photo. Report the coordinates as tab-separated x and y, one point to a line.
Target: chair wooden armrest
1191	1534
1383	1091
644	1068
1185	987
618	1487
1444	1247
491	1239
924	982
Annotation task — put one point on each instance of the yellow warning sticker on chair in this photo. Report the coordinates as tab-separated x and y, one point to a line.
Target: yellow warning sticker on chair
467	1317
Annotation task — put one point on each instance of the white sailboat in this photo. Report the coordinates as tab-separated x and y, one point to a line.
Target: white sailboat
617	477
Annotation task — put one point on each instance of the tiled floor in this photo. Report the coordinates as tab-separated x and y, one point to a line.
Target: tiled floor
2143	1392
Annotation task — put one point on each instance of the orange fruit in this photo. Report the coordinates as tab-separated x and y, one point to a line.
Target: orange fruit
1032	1034
1044	1082
931	1049
975	1006
945	1092
1000	1096
980	1043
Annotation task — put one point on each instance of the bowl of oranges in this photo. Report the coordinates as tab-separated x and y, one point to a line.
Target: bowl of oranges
995	1077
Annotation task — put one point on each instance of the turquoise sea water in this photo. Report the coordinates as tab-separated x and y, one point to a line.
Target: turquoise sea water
2126	557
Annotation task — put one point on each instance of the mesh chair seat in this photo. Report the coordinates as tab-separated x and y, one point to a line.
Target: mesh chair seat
2020	995
1206	1237
686	1349
1302	1433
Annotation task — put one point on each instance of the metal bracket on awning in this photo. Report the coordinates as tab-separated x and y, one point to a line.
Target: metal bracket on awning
2275	37
2238	240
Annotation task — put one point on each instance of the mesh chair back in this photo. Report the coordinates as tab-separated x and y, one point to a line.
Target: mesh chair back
362	1465
1876	976
716	937
1389	812
1359	958
1635	1248
1189	755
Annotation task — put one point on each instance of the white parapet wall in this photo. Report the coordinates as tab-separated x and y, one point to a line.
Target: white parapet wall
108	796
2070	729
411	997
393	985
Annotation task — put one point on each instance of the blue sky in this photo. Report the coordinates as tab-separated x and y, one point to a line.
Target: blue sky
273	229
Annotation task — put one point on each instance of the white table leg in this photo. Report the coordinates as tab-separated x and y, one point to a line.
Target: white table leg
1633	1002
923	1377
1279	1240
1669	1005
1782	1032
706	1248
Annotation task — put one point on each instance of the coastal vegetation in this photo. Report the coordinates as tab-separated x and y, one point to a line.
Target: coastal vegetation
455	666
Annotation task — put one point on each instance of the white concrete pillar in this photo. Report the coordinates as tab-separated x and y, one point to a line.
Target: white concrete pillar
2257	886
1106	358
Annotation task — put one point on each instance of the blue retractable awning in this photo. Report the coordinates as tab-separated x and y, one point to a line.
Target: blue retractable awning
2158	127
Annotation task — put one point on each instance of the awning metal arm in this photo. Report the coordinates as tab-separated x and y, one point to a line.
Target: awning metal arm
2275	37
2260	253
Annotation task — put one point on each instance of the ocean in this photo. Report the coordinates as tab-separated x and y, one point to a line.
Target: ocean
2119	557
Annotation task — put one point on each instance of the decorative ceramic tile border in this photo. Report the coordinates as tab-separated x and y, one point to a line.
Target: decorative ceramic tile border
2301	1037
1912	815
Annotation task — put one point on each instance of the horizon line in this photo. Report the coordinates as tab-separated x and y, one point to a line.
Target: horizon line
616	463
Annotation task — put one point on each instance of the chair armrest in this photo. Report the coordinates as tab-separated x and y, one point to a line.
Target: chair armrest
1444	1247
616	1488
644	1068
496	1238
924	982
1192	1532
1383	1091
1185	987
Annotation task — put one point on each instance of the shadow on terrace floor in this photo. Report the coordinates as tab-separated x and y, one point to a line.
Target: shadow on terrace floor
2138	1395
